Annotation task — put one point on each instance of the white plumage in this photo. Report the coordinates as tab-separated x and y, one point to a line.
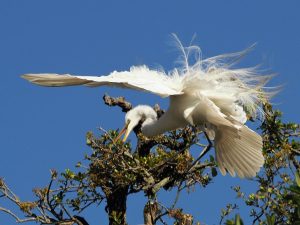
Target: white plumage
209	93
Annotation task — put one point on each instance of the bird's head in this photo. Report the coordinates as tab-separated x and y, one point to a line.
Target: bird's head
139	114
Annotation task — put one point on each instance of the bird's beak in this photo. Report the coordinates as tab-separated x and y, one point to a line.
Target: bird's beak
126	135
126	129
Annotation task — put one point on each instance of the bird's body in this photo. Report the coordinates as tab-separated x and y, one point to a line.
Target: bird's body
209	94
238	148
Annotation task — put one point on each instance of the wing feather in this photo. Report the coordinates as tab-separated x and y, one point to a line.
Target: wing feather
139	78
240	155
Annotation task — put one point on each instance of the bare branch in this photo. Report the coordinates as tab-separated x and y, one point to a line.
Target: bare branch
151	210
119	101
18	220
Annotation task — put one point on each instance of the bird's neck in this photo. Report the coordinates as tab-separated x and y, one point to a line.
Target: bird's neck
166	122
150	127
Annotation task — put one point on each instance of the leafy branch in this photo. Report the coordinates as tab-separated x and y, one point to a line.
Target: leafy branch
113	170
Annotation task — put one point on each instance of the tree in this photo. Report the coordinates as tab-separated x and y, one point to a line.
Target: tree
115	170
276	200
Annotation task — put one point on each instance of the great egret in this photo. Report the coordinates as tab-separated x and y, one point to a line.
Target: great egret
209	93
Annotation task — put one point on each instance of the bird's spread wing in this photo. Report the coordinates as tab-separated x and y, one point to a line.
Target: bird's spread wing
242	154
138	78
238	148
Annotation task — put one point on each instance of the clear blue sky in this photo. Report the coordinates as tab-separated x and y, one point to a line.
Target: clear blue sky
43	128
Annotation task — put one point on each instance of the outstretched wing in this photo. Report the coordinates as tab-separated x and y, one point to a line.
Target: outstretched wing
138	78
238	148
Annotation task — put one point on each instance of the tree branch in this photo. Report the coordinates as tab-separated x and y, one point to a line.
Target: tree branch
18	220
119	101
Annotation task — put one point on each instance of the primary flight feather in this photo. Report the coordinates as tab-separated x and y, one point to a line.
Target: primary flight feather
209	93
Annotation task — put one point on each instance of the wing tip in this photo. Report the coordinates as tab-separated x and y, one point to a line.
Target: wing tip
27	76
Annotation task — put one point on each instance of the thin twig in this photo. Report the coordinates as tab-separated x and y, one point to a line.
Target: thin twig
18	220
177	195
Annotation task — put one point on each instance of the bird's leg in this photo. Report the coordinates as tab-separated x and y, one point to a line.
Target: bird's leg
207	148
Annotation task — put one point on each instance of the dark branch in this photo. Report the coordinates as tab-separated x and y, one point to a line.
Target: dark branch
119	101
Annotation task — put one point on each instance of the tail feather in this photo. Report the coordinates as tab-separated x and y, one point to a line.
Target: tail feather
54	80
238	152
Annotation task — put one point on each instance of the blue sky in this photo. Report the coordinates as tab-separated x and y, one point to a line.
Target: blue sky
44	128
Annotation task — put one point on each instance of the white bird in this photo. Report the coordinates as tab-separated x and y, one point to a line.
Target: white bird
209	93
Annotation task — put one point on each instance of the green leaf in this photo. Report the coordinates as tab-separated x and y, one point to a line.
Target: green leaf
295	189
229	222
297	178
69	174
298	211
214	171
270	219
238	220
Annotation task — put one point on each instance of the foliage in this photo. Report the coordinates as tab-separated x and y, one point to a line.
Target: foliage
113	170
276	200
